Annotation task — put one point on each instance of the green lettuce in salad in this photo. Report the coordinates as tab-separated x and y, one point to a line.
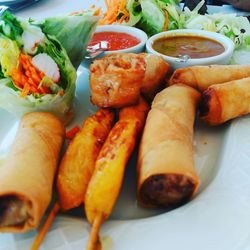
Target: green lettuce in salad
148	15
36	71
152	16
74	33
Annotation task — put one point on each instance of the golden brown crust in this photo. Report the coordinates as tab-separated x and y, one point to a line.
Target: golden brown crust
156	71
185	76
225	101
29	169
170	150
201	77
115	80
118	80
106	181
210	107
78	163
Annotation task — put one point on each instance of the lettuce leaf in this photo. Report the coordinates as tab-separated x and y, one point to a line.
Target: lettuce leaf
9	53
11	27
134	9
152	17
74	33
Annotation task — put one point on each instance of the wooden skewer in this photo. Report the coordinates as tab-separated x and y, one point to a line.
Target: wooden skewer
45	228
94	241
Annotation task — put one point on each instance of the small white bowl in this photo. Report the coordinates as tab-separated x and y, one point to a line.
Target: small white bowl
175	62
139	34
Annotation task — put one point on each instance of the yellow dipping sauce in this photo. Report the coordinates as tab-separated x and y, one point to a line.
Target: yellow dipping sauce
193	46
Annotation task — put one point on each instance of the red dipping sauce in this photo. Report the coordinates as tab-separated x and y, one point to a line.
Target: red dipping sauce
115	40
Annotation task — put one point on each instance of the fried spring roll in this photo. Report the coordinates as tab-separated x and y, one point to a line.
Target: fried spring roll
27	175
118	80
223	102
166	172
201	77
106	181
115	80
78	162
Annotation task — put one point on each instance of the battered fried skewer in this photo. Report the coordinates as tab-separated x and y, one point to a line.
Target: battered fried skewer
77	166
105	184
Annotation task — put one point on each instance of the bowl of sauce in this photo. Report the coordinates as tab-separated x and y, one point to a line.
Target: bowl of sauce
118	39
182	48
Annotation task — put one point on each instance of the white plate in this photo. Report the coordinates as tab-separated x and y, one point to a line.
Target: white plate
217	218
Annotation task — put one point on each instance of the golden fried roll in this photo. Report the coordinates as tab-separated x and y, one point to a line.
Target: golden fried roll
223	102
27	175
166	172
115	80
201	77
107	178
78	162
156	71
118	80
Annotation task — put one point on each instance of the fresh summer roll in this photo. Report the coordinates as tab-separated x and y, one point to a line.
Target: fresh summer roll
27	174
36	71
166	172
220	103
201	77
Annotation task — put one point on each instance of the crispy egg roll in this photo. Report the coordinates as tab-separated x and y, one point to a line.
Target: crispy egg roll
115	80
201	77
118	80
26	177
223	102
166	172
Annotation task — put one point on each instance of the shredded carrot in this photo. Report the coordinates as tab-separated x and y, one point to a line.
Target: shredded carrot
72	132
25	90
28	78
97	12
115	12
165	27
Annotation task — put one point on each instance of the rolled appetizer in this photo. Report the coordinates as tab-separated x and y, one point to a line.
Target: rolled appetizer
201	77
36	73
27	174
223	102
166	172
118	80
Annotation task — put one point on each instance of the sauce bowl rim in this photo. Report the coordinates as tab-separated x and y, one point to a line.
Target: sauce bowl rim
139	34
226	42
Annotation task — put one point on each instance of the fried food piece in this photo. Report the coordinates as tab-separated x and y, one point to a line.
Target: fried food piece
117	80
26	177
77	166
223	102
107	179
166	173
201	77
78	163
156	70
